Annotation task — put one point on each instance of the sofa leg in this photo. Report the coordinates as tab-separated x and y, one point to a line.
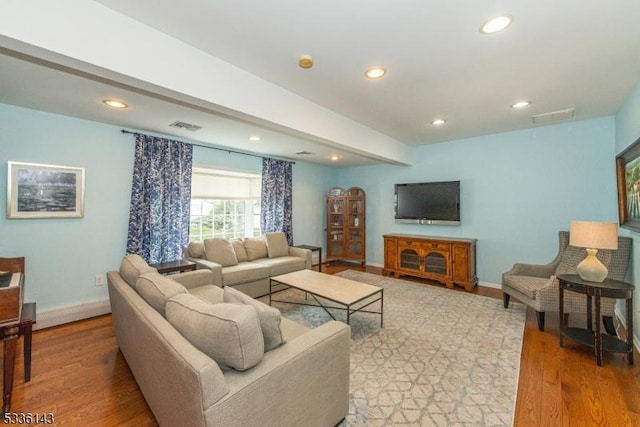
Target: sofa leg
540	317
608	325
505	299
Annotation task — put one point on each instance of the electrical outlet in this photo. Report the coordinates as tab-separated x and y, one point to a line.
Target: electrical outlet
99	280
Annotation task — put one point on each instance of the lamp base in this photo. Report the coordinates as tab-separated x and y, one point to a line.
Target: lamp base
591	269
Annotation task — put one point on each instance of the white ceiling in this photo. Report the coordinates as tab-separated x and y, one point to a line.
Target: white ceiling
581	54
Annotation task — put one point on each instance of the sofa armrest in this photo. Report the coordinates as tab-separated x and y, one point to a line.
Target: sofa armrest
302	253
194	279
305	381
533	270
215	268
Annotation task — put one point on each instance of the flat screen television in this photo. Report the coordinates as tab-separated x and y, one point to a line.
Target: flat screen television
428	202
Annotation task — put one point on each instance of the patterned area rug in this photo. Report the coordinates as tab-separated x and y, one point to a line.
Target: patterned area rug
443	358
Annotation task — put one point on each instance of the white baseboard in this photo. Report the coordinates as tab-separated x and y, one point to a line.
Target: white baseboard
47	319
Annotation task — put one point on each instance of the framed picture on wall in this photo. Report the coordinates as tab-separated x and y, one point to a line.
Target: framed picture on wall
44	191
628	176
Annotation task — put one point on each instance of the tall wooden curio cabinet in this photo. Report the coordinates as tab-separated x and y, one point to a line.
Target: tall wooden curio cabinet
346	224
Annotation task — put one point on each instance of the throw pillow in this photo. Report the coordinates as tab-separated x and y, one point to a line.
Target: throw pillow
220	251
572	256
132	266
256	248
238	247
156	290
228	333
269	316
277	245
195	250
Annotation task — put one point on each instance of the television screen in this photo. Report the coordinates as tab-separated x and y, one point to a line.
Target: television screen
428	202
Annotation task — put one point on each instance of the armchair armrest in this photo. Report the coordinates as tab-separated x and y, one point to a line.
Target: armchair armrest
302	253
533	270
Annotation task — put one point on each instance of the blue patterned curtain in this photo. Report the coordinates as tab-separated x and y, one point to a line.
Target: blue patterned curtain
276	197
160	199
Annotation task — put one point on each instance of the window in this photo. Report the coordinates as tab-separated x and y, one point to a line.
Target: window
224	204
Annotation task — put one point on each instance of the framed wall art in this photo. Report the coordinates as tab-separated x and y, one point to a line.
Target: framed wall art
628	176
44	191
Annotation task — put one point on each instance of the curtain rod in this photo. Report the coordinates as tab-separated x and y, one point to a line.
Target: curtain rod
216	148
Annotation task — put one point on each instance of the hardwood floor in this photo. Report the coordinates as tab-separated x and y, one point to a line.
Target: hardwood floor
80	376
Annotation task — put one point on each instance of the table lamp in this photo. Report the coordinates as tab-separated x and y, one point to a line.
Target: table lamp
593	235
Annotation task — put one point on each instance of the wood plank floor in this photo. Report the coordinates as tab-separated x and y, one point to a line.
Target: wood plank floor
80	376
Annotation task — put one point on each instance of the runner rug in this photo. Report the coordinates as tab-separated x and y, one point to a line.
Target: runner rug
443	358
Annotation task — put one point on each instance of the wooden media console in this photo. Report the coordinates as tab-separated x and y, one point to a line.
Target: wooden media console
447	260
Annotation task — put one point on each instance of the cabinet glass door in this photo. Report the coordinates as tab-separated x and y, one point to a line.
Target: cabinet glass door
436	263
409	260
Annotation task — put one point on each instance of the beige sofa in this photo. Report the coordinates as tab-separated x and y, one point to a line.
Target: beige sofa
221	374
248	264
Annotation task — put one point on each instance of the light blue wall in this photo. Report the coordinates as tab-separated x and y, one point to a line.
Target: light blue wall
63	256
627	132
517	190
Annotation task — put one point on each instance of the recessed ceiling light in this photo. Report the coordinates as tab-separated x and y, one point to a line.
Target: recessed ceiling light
334	157
438	122
521	104
114	103
496	24
254	138
375	72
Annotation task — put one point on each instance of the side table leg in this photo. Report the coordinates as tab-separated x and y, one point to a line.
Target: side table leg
563	323
598	337
630	329
10	338
27	352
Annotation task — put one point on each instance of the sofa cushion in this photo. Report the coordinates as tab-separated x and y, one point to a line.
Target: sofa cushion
195	250
269	316
244	272
220	251
572	256
209	293
228	333
276	244
238	247
255	247
132	266
156	290
283	264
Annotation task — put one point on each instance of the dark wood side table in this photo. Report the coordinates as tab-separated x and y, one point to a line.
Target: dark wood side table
177	266
595	291
10	334
313	249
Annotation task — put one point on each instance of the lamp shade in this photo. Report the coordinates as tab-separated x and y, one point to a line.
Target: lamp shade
593	234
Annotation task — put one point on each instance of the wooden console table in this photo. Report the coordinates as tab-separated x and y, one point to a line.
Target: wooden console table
609	288
447	260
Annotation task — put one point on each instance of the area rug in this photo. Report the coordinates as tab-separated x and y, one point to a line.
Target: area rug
443	358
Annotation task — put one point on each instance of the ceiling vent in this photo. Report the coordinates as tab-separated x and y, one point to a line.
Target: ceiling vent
185	126
553	116
304	153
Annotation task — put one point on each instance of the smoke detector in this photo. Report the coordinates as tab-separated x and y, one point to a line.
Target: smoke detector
553	116
185	126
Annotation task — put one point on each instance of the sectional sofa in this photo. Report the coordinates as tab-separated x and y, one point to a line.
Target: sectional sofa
247	264
207	356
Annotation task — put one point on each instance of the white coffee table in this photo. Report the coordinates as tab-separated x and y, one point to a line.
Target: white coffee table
351	295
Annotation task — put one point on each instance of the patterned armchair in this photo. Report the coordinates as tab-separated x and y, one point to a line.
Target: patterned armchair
537	285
